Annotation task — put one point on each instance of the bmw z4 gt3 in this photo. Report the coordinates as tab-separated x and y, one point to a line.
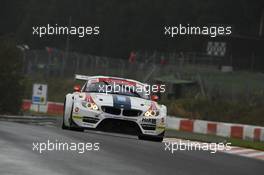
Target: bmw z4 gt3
111	103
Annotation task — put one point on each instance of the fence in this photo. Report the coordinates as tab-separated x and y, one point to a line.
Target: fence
144	67
54	62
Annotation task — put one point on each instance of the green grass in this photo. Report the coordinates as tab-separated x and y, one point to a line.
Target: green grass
247	144
214	139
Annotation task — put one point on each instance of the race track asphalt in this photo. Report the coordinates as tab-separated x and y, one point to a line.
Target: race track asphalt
118	154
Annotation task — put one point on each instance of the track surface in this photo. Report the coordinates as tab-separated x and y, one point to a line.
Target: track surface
118	154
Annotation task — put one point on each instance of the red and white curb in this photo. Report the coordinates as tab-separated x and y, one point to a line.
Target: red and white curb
233	130
239	151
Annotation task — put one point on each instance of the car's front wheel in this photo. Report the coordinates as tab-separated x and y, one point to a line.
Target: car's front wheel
63	126
158	138
72	125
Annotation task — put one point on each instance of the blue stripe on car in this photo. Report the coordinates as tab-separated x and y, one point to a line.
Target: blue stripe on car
121	102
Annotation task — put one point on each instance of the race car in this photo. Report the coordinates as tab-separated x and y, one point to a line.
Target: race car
114	104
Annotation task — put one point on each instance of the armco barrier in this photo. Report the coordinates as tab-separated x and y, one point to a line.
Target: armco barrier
248	132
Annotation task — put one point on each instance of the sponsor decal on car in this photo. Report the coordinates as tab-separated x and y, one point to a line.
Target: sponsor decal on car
149	132
149	120
118	81
76	109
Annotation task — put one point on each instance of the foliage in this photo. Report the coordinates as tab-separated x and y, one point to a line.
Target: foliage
236	111
11	86
126	25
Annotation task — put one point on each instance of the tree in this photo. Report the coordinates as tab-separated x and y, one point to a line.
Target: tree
11	86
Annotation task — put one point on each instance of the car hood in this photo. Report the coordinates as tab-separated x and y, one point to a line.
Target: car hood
121	101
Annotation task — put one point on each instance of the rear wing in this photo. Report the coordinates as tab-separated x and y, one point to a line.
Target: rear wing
81	77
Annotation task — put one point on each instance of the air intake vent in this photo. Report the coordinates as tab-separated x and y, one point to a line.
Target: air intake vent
132	112
111	110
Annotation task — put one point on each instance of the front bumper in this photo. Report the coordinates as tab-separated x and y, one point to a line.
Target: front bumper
86	118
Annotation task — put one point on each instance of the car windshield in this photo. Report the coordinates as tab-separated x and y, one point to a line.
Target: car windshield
115	88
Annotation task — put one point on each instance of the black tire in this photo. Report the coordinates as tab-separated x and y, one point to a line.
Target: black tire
150	138
63	126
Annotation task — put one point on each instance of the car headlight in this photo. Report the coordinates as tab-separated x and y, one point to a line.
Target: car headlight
89	103
151	113
91	106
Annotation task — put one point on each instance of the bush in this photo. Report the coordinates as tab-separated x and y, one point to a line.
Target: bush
11	86
244	111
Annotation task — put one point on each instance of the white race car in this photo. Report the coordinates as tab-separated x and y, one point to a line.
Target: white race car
114	104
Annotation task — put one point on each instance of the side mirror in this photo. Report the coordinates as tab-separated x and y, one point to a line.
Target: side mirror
154	98
77	88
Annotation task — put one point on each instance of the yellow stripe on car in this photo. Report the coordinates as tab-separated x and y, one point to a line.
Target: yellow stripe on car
77	117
